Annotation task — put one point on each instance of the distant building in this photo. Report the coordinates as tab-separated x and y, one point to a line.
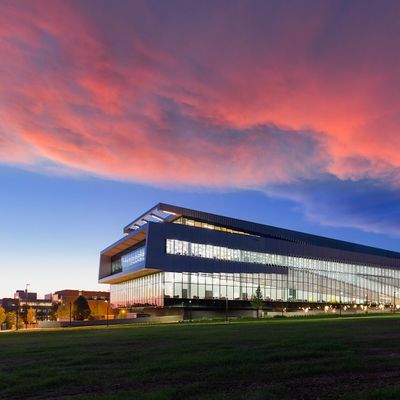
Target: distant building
68	295
98	300
9	304
24	295
172	257
25	300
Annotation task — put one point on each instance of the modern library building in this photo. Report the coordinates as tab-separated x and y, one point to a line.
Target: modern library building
176	258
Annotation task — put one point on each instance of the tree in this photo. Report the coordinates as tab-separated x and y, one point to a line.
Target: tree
81	309
11	320
2	315
61	311
257	301
31	316
53	312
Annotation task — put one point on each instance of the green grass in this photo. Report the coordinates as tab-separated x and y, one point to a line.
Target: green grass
346	358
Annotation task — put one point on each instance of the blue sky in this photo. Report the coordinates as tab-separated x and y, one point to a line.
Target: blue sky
54	227
285	113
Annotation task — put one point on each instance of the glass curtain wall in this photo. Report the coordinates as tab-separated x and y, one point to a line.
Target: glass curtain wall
205	225
307	280
198	285
130	259
143	291
297	285
302	279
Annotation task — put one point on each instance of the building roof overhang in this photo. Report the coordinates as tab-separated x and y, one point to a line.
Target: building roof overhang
158	213
131	239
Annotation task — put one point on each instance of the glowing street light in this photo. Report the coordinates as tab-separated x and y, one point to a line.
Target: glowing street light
340	309
17	315
70	313
108	304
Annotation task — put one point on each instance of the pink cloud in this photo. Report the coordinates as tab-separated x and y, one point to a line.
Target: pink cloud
221	96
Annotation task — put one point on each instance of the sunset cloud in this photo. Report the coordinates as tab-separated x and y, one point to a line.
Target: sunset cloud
210	94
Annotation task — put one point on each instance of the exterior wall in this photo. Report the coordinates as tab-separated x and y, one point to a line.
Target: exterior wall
285	268
159	232
283	234
301	286
158	258
308	279
107	255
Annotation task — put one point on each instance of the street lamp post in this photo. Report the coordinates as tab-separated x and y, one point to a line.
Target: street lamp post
287	292
26	293
26	302
226	308
340	309
70	313
190	310
394	301
17	315
59	304
107	311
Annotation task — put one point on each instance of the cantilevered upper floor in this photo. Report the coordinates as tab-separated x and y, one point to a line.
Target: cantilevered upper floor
144	250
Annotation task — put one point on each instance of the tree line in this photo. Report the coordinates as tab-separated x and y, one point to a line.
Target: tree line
79	311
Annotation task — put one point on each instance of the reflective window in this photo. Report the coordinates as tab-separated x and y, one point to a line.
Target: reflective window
206	225
144	291
116	266
133	257
307	279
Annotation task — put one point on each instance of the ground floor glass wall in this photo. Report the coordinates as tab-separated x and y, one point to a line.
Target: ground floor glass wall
144	291
314	286
298	285
199	285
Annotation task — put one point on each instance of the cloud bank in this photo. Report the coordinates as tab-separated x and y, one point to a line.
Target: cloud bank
289	98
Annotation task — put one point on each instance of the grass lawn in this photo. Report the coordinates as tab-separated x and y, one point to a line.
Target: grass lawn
279	359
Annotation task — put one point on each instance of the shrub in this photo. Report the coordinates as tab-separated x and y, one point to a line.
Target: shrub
2	315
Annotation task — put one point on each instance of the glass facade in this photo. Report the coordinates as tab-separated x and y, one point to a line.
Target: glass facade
133	257
116	266
128	260
281	278
143	291
198	285
297	285
303	279
205	225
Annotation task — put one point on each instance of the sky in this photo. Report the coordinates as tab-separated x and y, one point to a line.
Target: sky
285	113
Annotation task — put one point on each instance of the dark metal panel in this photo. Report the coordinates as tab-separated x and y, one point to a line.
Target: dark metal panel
157	257
105	266
158	233
279	233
